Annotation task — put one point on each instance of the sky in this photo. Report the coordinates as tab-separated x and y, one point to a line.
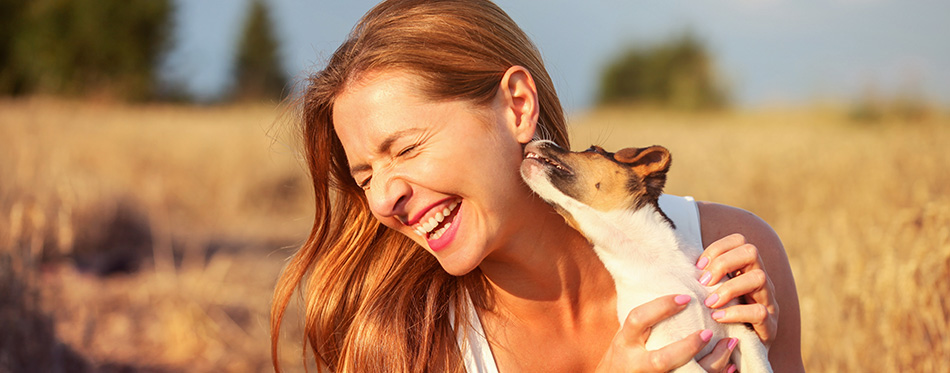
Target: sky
770	52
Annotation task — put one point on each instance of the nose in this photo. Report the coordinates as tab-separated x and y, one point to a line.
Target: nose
387	197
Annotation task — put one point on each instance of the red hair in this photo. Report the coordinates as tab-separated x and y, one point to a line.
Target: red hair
376	301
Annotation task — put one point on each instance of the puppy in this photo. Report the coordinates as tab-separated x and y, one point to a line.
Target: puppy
612	199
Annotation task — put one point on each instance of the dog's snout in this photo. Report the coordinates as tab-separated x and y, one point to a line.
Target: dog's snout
538	146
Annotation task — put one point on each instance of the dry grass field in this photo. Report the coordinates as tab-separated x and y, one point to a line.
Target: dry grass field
148	238
144	237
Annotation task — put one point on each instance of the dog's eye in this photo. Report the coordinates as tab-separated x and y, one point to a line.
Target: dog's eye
595	149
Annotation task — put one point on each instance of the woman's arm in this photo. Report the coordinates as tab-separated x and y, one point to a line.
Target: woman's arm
628	352
727	252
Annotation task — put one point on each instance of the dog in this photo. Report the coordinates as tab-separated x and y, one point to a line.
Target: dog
612	199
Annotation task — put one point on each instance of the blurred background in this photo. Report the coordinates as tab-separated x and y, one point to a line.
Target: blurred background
151	186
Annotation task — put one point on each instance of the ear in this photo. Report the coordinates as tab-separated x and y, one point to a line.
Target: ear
517	102
645	161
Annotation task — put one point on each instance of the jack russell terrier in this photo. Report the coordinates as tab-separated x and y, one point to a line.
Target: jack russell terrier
612	199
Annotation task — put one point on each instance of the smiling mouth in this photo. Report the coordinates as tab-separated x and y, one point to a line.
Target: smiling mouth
547	161
437	225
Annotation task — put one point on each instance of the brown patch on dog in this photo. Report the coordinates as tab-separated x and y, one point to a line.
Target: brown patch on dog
592	170
645	161
631	177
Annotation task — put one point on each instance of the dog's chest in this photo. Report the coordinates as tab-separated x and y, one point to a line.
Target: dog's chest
645	256
670	272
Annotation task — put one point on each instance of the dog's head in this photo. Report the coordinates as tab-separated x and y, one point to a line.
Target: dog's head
631	178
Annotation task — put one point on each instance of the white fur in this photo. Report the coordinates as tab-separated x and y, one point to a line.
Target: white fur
647	260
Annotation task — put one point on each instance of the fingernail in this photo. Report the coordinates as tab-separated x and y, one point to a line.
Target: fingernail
732	369
718	315
732	343
703	261
711	300
705	279
706	335
681	299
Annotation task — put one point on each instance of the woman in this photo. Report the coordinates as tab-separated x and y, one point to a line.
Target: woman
428	252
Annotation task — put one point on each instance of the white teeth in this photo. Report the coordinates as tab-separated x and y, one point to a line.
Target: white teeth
426	227
440	232
429	225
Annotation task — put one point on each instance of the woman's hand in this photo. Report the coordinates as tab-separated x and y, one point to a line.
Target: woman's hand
733	256
628	353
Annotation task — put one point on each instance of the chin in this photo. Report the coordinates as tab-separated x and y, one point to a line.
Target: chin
458	266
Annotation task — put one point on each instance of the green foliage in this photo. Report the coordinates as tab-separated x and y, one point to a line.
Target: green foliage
676	74
908	105
258	74
81	47
868	108
10	11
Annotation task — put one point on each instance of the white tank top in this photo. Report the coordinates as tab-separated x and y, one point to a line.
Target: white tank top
475	349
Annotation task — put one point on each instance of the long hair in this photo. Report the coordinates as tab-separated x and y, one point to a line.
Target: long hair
375	300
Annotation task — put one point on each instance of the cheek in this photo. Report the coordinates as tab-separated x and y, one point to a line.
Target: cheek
389	222
454	168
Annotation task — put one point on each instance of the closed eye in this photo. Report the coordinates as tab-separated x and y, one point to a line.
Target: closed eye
365	183
406	150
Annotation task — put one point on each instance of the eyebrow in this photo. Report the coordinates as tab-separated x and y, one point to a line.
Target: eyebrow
384	147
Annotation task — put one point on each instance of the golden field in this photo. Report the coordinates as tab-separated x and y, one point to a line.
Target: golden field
149	238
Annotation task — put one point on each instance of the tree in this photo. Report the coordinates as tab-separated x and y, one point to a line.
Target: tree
80	47
676	74
258	74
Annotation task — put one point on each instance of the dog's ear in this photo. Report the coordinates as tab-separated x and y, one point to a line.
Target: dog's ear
645	161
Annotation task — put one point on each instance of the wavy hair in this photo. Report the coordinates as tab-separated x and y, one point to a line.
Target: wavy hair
374	299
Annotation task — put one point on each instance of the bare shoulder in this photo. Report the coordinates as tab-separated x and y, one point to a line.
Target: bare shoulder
718	221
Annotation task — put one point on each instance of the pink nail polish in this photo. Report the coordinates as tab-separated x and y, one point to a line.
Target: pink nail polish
702	263
718	315
705	279
711	300
732	343
732	369
706	335
681	299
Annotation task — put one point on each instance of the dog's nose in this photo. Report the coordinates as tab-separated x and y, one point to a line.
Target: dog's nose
537	145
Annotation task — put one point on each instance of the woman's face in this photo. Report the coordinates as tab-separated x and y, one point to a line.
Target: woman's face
443	173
